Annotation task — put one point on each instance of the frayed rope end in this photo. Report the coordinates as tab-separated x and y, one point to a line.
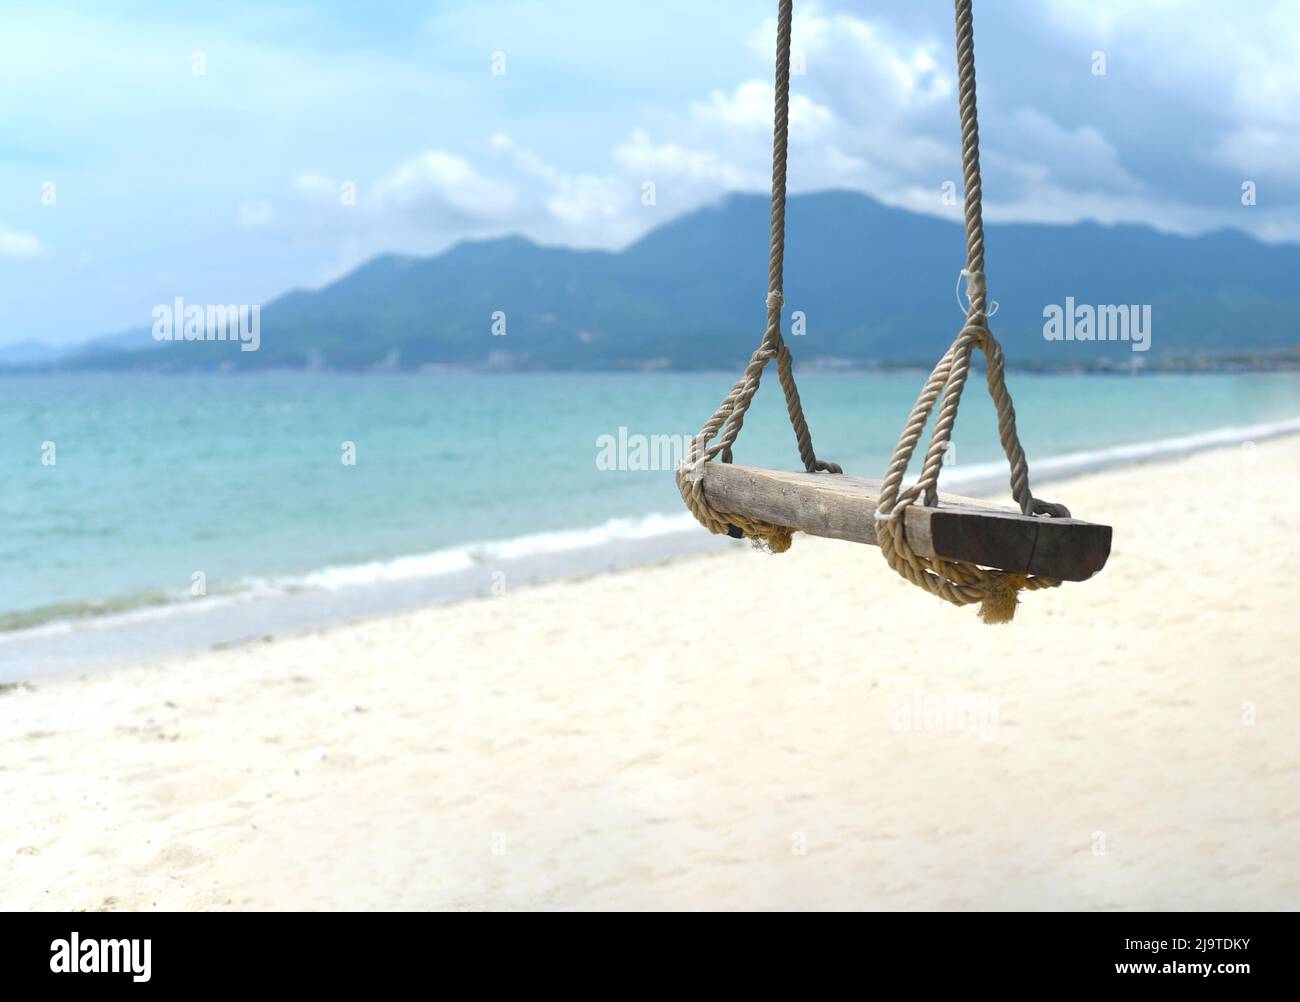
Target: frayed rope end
776	539
1001	598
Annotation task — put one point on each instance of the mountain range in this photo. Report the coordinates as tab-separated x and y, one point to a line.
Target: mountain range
874	285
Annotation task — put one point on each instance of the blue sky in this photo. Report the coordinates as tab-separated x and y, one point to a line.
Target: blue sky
227	186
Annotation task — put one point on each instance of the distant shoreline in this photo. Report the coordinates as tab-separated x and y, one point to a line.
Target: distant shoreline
1143	365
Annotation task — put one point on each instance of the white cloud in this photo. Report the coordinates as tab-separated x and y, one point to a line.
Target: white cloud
1257	150
582	201
750	106
655	161
1081	158
896	71
443	184
17	244
1234	64
430	200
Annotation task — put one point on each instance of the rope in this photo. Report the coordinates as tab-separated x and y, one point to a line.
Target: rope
729	418
956	582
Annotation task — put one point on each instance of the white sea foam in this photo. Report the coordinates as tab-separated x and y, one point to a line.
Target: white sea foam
414	567
1074	463
471	555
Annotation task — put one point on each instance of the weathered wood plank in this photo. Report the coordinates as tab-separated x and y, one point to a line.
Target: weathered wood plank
840	507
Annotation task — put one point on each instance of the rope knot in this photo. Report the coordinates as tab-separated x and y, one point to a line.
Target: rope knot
775	298
1050	509
979	336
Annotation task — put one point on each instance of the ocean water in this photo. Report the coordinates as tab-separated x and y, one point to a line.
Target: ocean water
119	488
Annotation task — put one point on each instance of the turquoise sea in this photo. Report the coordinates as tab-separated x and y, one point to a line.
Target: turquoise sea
119	489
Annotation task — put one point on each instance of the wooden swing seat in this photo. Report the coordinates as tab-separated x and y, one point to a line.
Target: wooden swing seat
960	528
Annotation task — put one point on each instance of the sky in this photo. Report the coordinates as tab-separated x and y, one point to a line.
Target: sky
227	153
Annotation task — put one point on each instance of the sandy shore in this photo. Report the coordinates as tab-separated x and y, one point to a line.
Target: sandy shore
735	730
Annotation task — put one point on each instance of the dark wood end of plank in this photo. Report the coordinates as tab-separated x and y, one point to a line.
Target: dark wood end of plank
1064	548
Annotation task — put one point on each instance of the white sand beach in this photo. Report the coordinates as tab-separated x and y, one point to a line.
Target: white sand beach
734	731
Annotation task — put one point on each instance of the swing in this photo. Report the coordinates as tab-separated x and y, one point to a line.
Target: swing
960	549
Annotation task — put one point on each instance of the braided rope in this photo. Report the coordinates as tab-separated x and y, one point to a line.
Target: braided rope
729	418
954	581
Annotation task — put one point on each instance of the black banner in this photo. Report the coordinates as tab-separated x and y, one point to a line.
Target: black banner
142	952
